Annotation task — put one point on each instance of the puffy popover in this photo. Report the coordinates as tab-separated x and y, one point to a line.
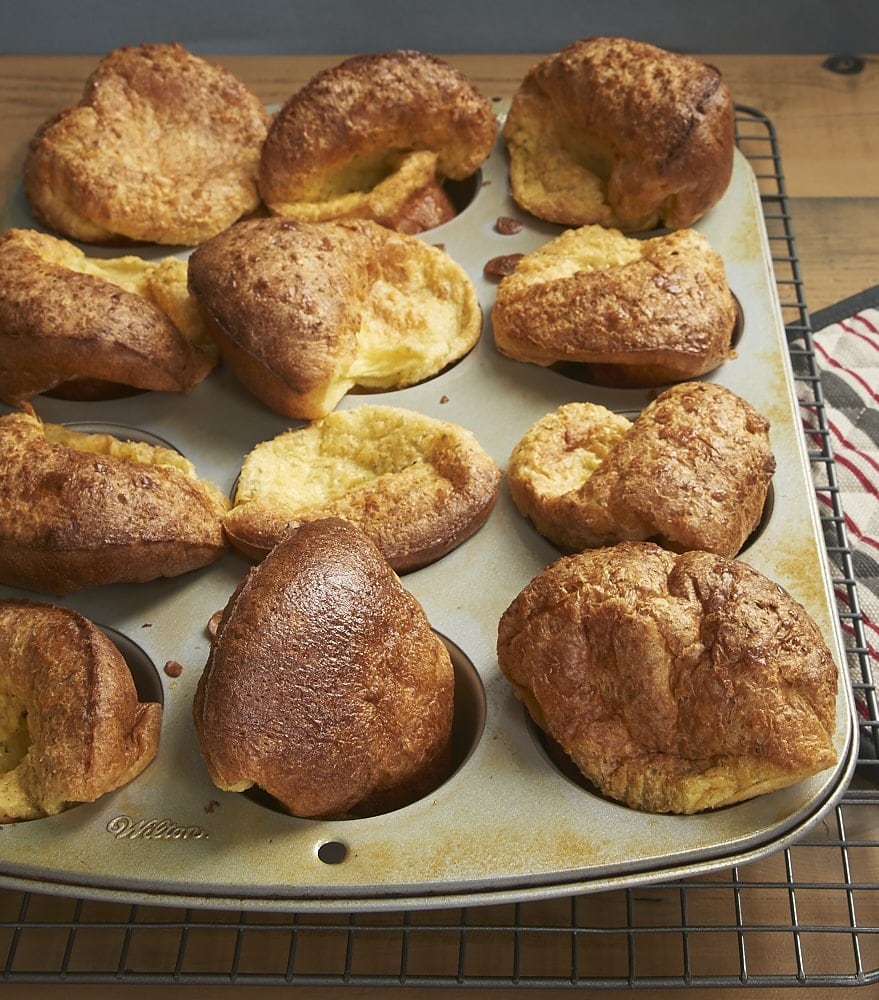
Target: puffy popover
86	327
629	312
163	147
417	486
325	685
375	137
303	312
78	510
620	133
675	682
71	725
692	471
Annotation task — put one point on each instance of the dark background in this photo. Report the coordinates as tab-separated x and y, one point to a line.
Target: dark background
439	26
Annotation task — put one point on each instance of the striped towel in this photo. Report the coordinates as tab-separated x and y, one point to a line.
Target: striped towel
846	341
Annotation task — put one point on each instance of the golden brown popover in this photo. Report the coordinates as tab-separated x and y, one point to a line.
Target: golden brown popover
620	133
86	327
417	486
691	472
675	682
163	147
375	137
325	685
78	509
304	312
71	725
625	311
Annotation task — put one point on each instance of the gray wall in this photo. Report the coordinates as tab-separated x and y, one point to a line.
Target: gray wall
440	26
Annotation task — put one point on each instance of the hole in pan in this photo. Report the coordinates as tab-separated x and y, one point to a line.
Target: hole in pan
332	852
462	193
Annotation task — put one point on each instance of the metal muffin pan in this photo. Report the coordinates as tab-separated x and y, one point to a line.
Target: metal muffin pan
509	823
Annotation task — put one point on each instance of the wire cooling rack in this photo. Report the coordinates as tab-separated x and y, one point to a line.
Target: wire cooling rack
771	923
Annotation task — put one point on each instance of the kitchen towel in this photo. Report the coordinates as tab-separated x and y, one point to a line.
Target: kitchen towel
846	342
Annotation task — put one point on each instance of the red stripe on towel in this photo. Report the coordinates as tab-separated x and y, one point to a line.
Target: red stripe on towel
833	363
855	450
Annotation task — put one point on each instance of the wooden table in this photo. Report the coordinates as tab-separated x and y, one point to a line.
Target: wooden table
828	129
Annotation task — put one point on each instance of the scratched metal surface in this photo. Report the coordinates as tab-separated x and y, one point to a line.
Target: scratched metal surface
508	824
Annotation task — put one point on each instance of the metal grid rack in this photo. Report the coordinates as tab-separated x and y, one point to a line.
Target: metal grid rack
759	925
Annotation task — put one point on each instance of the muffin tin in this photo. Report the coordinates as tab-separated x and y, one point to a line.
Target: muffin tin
512	821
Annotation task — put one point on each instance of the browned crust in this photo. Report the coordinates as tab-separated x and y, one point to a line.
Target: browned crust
163	147
71	519
656	128
88	732
668	316
325	685
58	326
373	109
692	472
285	302
280	299
676	682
